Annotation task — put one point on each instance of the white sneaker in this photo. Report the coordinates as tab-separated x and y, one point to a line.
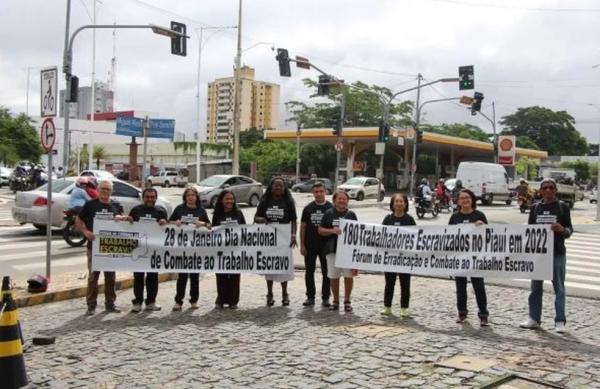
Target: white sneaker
560	327
530	324
404	312
135	308
153	307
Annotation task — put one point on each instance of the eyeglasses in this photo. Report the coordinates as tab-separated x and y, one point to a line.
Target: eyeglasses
547	187
105	189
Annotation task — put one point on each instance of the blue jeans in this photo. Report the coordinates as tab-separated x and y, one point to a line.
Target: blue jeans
558	282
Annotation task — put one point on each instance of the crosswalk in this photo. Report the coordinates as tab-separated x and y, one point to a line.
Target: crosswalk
583	261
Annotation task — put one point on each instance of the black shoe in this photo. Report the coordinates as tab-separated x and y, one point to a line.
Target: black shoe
90	310
325	303
112	308
309	302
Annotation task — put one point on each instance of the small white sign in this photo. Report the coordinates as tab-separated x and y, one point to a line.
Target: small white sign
48	134
48	92
379	148
400	141
339	146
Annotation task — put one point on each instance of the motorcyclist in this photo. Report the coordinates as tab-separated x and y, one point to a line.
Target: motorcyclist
424	191
523	189
79	194
90	188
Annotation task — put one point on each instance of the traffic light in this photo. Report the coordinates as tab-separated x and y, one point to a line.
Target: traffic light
466	75
283	58
337	128
476	106
179	43
384	132
74	91
323	87
419	135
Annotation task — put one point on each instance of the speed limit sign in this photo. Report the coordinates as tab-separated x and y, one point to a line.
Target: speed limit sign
48	134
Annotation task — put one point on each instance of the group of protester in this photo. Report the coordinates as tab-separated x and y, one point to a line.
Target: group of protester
319	229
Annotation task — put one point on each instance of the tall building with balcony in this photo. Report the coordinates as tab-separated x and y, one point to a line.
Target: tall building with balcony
103	101
259	106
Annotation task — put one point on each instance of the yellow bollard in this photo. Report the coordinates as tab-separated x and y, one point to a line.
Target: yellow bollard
12	364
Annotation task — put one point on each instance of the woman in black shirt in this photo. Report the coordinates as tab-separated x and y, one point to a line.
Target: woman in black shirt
398	217
468	214
228	285
190	212
277	206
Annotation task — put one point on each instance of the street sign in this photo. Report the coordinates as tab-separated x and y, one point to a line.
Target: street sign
130	126
379	148
506	150
49	86
161	128
302	62
339	146
48	134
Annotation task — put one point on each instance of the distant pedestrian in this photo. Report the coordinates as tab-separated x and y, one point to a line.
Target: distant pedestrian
467	213
228	285
556	213
398	217
102	208
330	228
311	245
277	206
190	212
148	212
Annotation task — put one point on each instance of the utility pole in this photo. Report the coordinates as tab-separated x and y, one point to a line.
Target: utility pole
66	104
338	152
237	97
93	97
298	134
413	167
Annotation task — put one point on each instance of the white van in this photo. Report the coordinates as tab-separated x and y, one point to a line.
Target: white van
488	181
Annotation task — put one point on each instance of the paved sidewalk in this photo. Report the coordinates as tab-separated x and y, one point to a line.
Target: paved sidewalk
289	347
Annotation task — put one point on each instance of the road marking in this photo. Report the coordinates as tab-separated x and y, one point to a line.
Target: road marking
41	254
58	263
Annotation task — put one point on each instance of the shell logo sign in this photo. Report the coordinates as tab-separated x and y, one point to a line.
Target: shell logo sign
506	149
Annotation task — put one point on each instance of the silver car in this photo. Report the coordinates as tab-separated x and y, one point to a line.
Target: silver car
245	189
30	206
4	175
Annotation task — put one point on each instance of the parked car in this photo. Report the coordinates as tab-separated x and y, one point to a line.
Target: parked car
361	188
594	196
99	174
30	207
245	189
166	178
488	181
4	176
306	186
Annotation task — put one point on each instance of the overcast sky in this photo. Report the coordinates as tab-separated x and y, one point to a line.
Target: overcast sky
525	52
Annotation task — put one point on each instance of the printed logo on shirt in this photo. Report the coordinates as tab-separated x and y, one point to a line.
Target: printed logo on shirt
275	213
546	218
147	219
189	219
316	217
105	214
229	220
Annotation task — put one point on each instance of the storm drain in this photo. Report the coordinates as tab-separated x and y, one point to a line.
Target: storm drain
464	362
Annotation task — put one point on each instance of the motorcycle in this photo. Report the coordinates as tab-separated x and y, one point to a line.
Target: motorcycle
525	203
424	206
444	203
71	233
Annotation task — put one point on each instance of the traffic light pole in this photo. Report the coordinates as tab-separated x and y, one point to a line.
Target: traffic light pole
493	121
338	153
413	161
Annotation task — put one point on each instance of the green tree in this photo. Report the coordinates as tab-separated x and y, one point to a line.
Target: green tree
582	169
271	158
18	139
98	154
461	130
317	157
552	131
251	136
527	168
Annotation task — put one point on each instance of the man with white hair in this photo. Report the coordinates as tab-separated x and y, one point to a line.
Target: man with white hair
102	208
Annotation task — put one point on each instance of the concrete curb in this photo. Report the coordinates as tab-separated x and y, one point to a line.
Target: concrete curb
72	293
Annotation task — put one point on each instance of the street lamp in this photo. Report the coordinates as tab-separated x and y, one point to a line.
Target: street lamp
598	172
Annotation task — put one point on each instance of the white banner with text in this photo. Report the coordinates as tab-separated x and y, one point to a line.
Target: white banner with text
148	247
489	250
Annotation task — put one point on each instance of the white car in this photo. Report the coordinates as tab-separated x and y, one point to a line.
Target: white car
361	188
99	174
30	206
4	175
594	196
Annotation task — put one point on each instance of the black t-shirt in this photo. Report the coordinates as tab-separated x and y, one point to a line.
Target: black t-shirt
312	215
460	218
554	212
277	211
404	220
143	213
189	215
232	217
95	209
331	219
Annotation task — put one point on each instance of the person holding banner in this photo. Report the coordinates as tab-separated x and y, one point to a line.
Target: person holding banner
147	212
101	208
330	228
277	206
467	213
556	213
311	245
190	212
226	213
398	217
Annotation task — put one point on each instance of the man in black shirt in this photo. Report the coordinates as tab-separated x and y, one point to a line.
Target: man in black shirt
101	208
147	212
311	245
556	213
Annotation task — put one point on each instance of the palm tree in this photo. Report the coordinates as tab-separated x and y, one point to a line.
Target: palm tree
99	153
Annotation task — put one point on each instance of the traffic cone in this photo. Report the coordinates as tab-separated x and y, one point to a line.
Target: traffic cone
12	364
